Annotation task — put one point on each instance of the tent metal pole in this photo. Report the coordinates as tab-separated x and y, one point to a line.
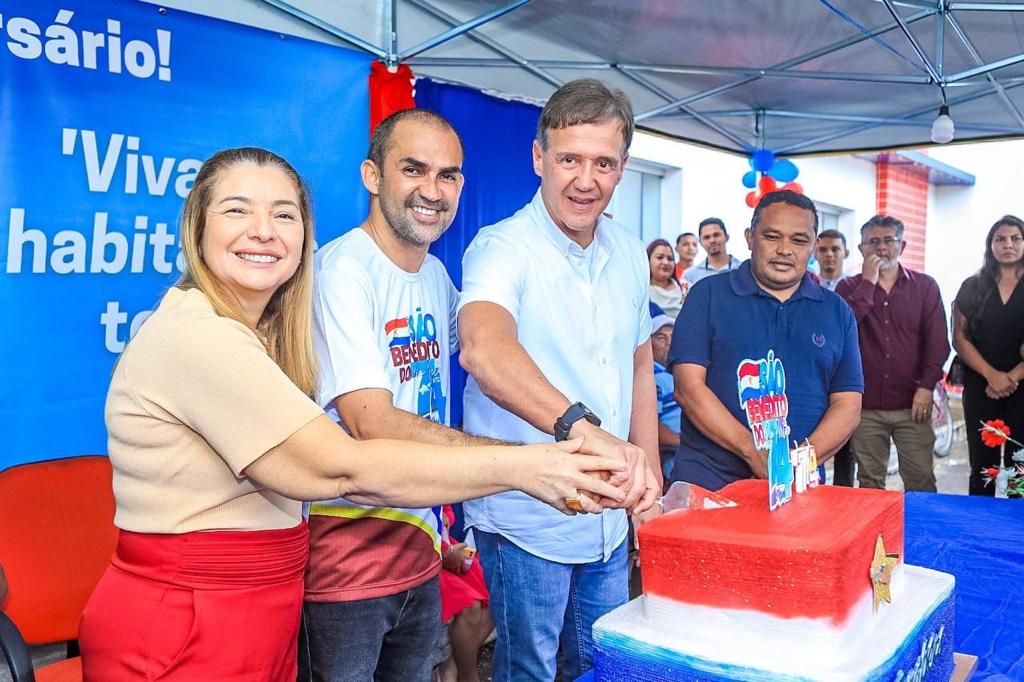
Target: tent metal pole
921	54
910	114
796	61
987	6
490	62
489	43
389	27
987	68
462	28
778	73
919	4
903	123
657	90
327	28
906	122
678	68
719	113
940	39
969	44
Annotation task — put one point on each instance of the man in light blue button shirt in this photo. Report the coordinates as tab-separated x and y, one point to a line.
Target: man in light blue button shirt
555	333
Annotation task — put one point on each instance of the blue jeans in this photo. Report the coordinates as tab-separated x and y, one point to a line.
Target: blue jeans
538	604
386	639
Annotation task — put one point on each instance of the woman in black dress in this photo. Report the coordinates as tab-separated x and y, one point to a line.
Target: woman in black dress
988	330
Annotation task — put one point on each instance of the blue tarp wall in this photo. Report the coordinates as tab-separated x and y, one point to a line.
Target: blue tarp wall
497	136
106	111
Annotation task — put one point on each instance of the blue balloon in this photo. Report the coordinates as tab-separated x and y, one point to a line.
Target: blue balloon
750	179
784	170
763	160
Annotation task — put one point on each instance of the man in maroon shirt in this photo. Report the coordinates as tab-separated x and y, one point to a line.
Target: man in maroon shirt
903	344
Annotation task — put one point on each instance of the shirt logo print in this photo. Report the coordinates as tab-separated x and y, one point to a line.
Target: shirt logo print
818	340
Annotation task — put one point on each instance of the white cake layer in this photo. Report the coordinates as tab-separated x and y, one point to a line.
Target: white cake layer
804	647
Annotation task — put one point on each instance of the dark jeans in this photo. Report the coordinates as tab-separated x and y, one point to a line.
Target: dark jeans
843	466
387	639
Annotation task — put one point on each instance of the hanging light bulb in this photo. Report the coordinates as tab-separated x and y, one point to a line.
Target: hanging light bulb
942	128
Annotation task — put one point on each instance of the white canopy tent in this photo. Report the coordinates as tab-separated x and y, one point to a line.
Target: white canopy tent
794	76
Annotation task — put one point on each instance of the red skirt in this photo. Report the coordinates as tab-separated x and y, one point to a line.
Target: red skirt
459	592
212	605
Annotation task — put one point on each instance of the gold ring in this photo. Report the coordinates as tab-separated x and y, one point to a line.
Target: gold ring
574	503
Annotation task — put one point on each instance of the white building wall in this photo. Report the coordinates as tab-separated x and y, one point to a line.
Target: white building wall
701	182
960	217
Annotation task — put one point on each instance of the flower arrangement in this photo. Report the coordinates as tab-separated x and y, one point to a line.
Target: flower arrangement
1008	478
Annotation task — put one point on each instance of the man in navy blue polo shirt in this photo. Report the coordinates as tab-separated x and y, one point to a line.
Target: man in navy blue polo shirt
738	320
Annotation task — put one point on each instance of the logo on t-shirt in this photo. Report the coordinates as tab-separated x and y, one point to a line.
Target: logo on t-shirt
415	352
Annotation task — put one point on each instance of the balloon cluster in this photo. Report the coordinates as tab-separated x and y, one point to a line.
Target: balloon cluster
774	173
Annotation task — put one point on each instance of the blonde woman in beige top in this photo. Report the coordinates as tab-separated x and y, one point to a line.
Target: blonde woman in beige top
213	438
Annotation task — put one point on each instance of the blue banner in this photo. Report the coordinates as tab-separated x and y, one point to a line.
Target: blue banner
498	169
107	110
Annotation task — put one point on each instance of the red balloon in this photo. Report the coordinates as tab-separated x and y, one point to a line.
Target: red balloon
767	184
752	199
794	187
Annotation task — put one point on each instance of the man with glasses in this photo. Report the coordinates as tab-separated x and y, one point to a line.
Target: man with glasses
903	343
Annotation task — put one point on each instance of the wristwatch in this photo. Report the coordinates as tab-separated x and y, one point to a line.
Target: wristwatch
576	412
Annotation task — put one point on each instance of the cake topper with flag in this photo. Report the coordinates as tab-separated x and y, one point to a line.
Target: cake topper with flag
761	385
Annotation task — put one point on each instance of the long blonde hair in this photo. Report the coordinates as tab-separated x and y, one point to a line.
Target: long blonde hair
286	326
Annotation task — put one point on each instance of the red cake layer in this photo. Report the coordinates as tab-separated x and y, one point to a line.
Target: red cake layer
809	558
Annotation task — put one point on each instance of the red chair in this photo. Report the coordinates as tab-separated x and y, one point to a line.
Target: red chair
56	537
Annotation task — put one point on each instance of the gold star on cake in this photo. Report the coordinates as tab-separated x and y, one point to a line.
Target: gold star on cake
882	567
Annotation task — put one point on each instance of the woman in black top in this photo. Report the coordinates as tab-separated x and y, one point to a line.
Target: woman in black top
988	330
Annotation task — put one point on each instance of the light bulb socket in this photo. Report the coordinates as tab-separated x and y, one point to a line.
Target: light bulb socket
944	110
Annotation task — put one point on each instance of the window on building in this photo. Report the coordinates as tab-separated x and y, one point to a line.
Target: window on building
636	204
828	218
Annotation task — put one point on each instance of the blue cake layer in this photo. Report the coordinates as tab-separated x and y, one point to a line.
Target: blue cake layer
925	653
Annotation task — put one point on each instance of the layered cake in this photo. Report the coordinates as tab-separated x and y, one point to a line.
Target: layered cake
816	590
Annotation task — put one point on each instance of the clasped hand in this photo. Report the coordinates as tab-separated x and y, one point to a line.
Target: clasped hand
637	481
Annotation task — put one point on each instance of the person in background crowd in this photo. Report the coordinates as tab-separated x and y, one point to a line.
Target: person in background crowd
212	436
554	328
669	412
902	328
464	601
713	237
769	303
686	252
665	290
988	330
832	253
385	331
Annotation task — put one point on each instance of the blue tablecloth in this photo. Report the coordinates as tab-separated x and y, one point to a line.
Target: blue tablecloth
979	540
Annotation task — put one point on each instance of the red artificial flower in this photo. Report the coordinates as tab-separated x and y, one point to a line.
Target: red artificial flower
994	433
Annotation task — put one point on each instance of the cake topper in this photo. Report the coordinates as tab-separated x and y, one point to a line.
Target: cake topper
805	464
761	385
882	567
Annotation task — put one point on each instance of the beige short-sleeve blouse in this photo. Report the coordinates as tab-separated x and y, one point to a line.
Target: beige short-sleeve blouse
194	399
